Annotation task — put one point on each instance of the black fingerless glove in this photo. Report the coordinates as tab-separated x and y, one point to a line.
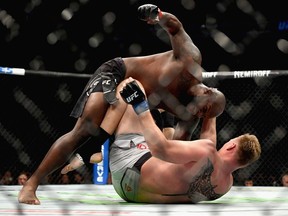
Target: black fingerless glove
148	11
132	94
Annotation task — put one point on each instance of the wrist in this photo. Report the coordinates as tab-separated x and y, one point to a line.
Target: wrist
141	107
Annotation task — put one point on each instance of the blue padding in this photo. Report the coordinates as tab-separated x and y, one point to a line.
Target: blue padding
101	170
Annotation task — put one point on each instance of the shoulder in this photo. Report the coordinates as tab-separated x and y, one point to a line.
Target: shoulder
204	147
208	143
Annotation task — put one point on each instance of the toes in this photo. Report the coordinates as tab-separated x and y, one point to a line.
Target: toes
66	169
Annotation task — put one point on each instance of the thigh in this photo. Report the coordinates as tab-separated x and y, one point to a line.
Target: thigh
93	114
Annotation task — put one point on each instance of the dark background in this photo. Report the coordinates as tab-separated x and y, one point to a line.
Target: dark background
78	36
256	31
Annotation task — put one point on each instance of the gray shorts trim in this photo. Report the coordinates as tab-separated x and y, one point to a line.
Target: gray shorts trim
125	151
129	184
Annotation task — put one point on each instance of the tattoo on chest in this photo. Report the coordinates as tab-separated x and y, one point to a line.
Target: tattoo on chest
201	188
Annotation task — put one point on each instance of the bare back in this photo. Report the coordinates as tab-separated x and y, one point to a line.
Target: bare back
161	75
155	71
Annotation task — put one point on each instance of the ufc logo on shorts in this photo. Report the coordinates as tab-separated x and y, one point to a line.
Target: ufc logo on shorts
107	82
142	146
131	97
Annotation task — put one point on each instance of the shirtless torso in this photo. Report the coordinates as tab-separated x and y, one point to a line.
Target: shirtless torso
172	79
162	74
178	171
179	182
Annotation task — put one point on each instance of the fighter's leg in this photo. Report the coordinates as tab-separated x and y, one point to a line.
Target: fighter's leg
75	163
109	124
64	146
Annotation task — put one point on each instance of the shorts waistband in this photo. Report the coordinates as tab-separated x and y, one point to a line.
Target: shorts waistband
139	163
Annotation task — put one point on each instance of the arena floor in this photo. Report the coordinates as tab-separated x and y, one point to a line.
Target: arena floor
103	200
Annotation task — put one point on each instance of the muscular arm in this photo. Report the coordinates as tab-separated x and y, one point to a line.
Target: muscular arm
174	151
181	42
208	130
184	50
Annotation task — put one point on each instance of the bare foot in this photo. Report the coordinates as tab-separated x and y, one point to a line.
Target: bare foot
96	157
75	163
27	196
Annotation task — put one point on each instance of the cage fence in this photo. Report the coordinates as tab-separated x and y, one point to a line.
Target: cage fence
35	112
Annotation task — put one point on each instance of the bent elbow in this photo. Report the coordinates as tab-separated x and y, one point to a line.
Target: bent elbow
159	150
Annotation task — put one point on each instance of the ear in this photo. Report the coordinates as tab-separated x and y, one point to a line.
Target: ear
231	146
208	91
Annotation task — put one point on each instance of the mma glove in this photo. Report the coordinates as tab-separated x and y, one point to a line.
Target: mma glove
148	12
132	94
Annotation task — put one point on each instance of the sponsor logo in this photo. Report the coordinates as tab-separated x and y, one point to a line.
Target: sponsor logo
128	188
100	168
6	70
100	172
131	97
142	146
209	74
244	74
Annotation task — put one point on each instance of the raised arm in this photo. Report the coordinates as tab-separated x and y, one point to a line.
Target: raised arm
208	129
183	47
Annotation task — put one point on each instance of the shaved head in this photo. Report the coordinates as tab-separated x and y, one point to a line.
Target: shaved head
218	105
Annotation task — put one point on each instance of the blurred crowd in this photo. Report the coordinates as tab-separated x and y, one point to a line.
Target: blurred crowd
76	177
19	178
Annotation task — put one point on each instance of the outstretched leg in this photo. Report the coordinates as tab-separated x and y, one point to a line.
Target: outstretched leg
86	154
56	156
64	146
